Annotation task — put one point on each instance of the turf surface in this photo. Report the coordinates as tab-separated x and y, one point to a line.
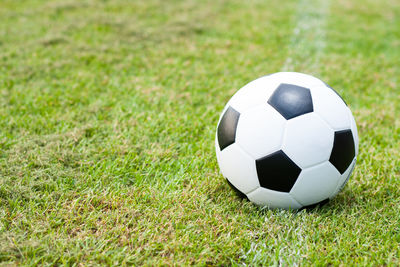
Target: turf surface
108	112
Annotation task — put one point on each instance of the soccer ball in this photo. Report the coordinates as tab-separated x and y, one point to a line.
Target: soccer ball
287	140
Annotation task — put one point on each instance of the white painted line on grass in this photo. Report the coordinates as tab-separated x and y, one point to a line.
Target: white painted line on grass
308	41
306	47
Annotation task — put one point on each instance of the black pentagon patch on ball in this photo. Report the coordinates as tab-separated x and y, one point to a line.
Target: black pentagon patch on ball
327	85
226	131
315	205
291	100
277	172
343	150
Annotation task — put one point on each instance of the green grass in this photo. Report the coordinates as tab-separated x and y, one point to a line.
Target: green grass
108	112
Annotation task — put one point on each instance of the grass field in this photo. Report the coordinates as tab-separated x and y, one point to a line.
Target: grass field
108	112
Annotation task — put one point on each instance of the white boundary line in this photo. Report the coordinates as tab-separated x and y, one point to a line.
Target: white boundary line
305	50
308	40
